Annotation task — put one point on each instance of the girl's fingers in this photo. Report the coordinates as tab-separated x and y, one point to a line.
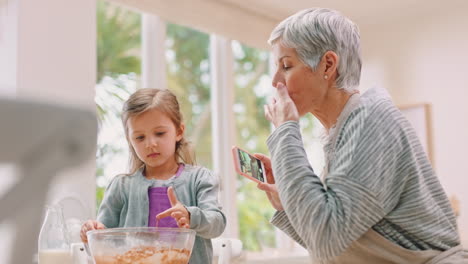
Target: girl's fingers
182	221
166	213
177	215
172	196
83	237
100	225
88	226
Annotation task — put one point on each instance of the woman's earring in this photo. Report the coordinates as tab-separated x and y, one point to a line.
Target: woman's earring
325	77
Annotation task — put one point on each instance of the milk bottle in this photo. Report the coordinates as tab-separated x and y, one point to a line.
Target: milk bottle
55	256
53	243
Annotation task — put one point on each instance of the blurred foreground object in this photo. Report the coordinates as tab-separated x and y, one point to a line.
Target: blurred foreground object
40	140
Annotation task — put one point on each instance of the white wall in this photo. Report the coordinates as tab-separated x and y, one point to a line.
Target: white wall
48	53
56	62
424	59
8	36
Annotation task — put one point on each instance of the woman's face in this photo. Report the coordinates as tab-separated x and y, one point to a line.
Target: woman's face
305	87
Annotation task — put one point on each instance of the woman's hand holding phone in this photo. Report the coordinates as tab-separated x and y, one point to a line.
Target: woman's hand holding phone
269	187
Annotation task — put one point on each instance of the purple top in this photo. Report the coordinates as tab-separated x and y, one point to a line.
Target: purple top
159	202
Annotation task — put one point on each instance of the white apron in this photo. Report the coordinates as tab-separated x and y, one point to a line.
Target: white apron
373	248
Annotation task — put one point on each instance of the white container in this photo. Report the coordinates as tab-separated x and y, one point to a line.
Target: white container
79	254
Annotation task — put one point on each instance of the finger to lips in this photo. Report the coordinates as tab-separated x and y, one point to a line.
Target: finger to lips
267	112
271	109
266	109
282	91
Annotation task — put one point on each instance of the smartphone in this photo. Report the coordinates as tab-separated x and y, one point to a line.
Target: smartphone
247	165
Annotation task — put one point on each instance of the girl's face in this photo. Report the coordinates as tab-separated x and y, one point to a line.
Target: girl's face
153	136
305	87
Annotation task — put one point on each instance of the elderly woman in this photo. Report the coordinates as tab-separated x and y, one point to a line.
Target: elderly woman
379	200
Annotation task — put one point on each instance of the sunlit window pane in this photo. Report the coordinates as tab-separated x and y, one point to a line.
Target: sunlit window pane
252	84
188	73
118	69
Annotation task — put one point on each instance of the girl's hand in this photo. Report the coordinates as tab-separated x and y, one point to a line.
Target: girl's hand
282	108
177	211
270	187
87	226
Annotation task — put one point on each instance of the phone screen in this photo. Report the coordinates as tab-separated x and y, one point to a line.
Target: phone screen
250	165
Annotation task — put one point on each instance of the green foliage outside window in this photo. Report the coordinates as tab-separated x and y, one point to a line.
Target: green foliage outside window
188	74
118	40
252	84
118	66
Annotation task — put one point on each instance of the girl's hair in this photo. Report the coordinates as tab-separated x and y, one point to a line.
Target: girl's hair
162	100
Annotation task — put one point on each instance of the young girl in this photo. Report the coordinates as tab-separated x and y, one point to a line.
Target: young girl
164	187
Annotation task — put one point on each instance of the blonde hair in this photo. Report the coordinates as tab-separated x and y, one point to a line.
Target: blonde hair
165	101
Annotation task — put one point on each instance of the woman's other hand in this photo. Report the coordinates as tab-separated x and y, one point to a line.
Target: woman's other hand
177	211
282	108
89	225
269	187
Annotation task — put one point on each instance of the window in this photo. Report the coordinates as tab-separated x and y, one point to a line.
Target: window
118	69
252	84
188	74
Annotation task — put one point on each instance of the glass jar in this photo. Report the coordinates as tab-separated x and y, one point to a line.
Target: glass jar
53	242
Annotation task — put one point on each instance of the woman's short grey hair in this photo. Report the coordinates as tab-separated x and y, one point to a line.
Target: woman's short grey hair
312	32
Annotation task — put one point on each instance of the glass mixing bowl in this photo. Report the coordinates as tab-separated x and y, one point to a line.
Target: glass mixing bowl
141	245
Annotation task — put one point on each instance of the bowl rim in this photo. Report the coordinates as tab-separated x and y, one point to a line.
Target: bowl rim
139	229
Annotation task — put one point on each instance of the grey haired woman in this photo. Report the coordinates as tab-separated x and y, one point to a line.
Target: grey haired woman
380	200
